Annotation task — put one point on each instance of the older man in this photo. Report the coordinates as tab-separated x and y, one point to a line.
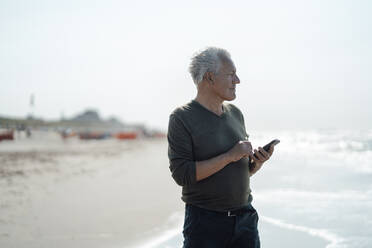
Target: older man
210	157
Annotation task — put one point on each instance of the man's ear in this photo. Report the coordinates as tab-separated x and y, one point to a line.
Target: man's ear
209	77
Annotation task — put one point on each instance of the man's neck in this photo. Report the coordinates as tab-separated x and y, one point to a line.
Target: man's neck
211	103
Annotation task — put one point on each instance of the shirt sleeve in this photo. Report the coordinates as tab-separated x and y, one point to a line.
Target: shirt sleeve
180	153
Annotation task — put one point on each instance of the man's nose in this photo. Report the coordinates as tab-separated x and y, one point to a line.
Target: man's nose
236	80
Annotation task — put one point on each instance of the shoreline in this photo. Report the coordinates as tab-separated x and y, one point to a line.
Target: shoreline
84	174
330	238
272	232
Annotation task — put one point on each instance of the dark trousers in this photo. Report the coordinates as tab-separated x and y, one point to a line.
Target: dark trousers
209	229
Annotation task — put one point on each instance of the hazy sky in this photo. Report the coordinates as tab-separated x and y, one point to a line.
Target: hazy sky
304	64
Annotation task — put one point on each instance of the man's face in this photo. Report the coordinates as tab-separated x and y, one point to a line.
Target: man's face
225	81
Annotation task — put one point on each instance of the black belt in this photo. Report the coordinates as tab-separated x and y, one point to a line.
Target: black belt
230	213
236	212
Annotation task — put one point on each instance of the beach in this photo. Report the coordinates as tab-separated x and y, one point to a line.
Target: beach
73	193
112	193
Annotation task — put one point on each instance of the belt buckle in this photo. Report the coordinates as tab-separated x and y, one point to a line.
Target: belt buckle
230	214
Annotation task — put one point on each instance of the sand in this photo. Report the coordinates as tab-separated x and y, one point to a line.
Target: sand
105	193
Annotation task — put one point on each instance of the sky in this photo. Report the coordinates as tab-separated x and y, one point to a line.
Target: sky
302	64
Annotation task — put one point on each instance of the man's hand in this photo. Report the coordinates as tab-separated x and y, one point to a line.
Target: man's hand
210	166
240	150
261	157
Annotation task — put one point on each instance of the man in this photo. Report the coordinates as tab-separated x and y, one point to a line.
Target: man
210	157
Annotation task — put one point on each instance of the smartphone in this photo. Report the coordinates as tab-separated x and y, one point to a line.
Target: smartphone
267	146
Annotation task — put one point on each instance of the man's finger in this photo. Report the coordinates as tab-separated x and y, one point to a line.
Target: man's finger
256	160
271	149
264	153
249	154
260	157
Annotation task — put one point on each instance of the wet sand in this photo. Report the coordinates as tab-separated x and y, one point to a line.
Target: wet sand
106	193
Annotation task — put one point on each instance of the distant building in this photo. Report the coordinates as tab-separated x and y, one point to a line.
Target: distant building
88	116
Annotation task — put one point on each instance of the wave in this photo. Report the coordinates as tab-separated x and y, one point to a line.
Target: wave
345	148
346	213
176	221
335	241
167	235
163	240
320	140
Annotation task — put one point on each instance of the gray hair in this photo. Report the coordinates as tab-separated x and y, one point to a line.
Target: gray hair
208	60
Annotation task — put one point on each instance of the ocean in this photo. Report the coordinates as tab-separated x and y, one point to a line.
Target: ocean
315	191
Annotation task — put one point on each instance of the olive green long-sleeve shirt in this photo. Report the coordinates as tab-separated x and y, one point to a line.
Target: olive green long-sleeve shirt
197	134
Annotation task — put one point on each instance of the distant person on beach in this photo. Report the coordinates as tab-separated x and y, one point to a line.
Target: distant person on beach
211	158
